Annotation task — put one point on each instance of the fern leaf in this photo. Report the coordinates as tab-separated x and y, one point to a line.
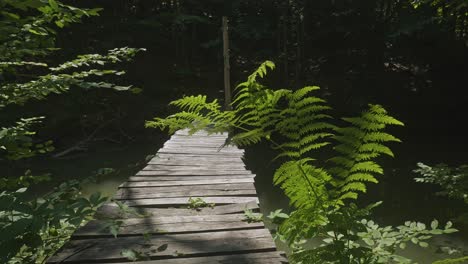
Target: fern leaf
376	148
380	137
355	187
363	177
367	166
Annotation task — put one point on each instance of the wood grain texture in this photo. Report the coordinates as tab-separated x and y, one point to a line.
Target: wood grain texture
168	225
189	177
140	184
274	257
236	189
167	246
216	200
157	222
111	210
199	172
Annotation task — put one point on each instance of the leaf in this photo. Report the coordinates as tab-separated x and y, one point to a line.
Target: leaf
423	244
130	254
161	248
448	225
53	4
434	224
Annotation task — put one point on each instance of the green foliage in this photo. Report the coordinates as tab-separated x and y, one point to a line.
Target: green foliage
33	229
452	261
349	238
27	28
58	82
454	181
23	181
16	141
277	216
319	189
198	203
252	217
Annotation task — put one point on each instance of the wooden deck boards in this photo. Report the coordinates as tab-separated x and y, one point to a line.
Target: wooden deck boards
156	222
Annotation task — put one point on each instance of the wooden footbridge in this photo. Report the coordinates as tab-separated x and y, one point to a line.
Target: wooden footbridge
155	222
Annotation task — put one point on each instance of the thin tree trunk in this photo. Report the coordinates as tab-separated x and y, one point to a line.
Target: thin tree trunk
227	77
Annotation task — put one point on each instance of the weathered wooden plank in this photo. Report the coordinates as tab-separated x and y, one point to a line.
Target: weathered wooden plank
190	177
192	172
111	210
199	140
200	134
203	150
185	132
159	202
169	225
204	147
197	162
182	183
274	257
183	191
214	166
164	189
197	145
166	246
190	161
200	152
197	156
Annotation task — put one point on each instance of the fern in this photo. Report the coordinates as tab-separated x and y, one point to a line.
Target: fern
358	146
298	125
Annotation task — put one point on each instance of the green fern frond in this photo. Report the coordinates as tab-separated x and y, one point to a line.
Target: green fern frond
380	137
362	177
367	166
301	93
316	126
302	183
366	156
261	71
355	187
248	138
348	195
311	147
376	148
343	161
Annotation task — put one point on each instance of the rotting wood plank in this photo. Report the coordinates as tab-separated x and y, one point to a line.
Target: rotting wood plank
231	167
169	225
198	156
274	257
128	194
215	200
182	183
192	172
215	149
111	210
162	189
194	162
189	177
190	161
200	152
197	145
167	246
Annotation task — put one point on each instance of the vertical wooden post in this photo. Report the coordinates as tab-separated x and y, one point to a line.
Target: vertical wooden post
227	67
